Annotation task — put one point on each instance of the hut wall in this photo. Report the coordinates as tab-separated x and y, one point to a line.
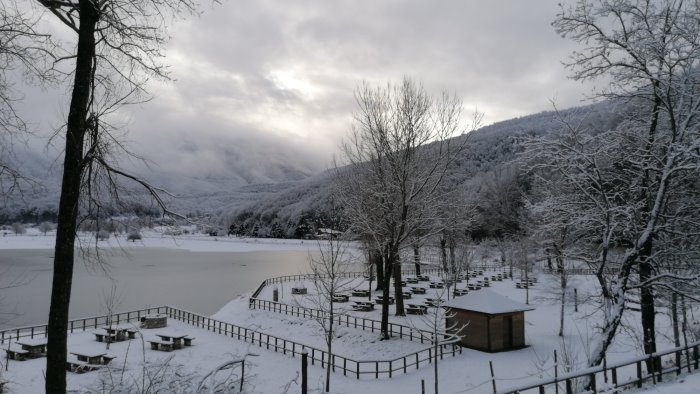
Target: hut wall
475	334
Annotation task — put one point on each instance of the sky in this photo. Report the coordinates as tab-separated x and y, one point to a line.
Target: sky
262	83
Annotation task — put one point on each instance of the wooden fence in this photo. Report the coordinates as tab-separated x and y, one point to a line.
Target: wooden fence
12	334
348	366
402	331
605	377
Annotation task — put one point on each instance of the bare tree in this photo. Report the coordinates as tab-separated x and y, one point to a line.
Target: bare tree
110	302
443	326
118	47
397	156
329	275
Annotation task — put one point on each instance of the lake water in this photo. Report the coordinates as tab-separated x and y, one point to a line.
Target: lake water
201	282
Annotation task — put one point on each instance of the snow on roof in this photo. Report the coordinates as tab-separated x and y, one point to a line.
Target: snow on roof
486	301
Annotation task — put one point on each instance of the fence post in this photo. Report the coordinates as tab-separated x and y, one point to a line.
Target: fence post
304	371
639	374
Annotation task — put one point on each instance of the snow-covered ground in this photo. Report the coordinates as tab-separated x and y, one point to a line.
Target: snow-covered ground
270	372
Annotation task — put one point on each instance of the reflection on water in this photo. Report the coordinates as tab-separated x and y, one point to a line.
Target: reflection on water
201	282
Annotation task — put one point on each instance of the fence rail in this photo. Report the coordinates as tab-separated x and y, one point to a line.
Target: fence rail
681	359
12	334
400	330
348	366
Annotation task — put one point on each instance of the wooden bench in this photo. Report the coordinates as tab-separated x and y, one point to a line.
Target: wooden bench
341	298
360	293
17	354
431	301
79	366
363	306
460	292
416	309
104	336
418	290
188	341
107	358
157	344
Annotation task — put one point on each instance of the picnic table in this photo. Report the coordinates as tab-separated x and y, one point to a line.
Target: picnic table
407	294
433	301
416	309
341	298
473	287
380	299
105	336
423	278
299	290
418	290
93	357
437	285
360	293
168	341
35	347
14	353
122	331
460	292
411	280
363	306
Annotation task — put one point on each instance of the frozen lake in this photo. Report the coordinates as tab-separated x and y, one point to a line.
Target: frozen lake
199	281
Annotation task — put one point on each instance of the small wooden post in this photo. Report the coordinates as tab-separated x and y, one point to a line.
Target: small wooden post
304	371
575	299
556	373
242	375
422	386
639	374
493	378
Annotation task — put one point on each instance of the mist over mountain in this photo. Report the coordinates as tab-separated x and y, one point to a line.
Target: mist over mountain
271	189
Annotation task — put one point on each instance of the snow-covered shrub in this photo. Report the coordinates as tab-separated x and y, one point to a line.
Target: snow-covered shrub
102	235
134	236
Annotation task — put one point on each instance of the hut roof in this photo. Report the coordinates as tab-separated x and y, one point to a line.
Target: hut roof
486	301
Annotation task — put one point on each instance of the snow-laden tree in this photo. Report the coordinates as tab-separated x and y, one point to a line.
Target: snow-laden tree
329	274
397	155
629	187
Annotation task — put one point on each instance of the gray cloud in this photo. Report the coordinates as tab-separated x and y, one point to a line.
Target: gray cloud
262	83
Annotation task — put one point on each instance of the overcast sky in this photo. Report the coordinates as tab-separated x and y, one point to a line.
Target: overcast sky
271	80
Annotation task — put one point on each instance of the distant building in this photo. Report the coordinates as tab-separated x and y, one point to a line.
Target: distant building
493	322
326	233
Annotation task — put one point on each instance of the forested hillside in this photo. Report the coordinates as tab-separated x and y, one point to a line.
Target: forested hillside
486	172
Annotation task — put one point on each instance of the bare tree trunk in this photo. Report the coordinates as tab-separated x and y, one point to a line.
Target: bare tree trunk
69	201
416	259
648	312
443	254
329	342
674	319
376	259
398	290
385	301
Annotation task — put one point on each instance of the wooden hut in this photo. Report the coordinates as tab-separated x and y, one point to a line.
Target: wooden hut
493	322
